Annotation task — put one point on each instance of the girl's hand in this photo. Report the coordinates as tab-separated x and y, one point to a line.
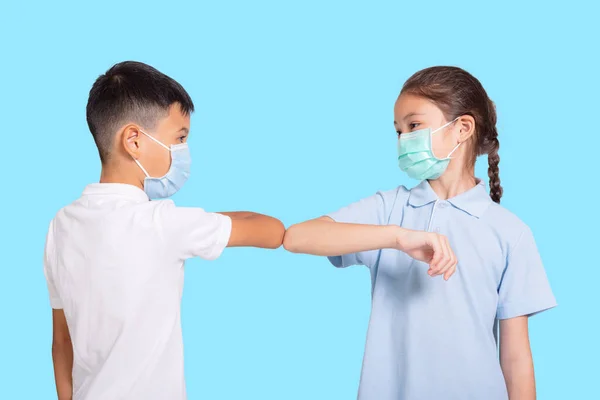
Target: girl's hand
428	247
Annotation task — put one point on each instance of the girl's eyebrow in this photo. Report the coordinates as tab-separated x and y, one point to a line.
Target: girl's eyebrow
412	115
409	115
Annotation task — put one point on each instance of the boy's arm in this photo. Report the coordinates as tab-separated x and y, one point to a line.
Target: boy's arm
516	359
250	229
325	237
62	355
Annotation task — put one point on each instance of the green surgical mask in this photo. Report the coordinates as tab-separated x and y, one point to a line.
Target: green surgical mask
415	154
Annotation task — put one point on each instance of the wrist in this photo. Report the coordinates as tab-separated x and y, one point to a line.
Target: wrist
399	236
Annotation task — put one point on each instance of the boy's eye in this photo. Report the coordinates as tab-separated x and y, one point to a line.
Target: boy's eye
181	138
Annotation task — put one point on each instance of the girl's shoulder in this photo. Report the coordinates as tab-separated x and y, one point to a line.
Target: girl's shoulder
400	192
392	198
506	223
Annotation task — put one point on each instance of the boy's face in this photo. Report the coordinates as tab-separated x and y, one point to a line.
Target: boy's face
171	130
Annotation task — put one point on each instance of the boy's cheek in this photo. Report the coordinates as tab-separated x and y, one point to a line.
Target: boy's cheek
158	164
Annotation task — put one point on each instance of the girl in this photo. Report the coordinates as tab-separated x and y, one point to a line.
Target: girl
429	338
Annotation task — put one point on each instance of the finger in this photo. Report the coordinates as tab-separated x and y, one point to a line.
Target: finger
448	256
438	255
444	262
450	272
453	263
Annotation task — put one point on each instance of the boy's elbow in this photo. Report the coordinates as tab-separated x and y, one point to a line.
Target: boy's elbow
61	345
279	236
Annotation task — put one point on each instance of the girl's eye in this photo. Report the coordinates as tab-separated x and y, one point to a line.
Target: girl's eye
411	127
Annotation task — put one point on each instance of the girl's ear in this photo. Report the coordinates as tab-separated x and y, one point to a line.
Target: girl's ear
466	125
130	140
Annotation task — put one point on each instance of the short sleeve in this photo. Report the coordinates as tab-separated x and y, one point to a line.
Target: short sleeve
49	269
192	232
373	210
524	289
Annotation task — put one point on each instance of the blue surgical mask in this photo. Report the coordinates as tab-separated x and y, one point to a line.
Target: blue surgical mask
176	176
415	154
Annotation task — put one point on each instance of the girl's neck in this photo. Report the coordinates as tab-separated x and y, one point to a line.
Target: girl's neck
453	182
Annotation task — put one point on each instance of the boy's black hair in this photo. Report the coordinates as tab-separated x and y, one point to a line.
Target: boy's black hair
131	92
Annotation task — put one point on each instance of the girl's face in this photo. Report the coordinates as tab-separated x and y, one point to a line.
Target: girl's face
412	113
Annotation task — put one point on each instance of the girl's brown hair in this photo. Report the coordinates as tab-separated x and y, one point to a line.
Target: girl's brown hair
456	93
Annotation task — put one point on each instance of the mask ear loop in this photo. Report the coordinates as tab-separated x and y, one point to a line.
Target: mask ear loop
143	169
442	127
158	141
457	146
140	164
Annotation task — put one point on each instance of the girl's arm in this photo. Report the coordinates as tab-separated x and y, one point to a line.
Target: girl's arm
325	237
516	359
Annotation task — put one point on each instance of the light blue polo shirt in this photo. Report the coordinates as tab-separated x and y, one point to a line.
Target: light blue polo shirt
430	339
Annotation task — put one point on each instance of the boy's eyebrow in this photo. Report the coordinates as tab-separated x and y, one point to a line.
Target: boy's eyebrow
184	129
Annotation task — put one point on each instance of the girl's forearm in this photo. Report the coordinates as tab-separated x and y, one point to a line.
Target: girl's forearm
516	359
326	238
519	377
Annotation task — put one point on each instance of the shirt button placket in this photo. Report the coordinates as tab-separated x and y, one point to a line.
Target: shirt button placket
442	205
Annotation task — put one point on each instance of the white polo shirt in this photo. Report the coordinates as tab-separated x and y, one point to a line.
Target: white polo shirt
114	263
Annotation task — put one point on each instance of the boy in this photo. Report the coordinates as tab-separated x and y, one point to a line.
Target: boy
114	260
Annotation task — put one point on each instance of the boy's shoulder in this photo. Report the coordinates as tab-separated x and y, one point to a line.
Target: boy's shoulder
88	211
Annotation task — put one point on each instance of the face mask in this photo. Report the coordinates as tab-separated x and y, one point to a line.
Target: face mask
173	180
415	154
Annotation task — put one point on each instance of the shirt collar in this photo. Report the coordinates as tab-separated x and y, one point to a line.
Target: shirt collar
474	201
421	195
116	189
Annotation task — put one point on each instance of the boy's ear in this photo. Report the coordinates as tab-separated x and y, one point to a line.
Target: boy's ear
130	140
466	124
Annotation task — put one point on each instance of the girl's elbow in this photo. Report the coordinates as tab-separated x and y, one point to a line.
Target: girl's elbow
290	242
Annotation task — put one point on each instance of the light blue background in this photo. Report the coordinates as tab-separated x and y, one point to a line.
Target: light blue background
294	119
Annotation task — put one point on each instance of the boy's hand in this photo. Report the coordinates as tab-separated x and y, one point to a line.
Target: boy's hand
428	247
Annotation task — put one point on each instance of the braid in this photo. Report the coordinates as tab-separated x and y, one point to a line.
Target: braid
491	145
494	171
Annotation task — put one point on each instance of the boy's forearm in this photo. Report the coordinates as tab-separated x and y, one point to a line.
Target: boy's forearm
327	238
250	229
62	356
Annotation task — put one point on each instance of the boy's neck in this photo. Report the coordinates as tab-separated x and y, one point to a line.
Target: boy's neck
120	174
